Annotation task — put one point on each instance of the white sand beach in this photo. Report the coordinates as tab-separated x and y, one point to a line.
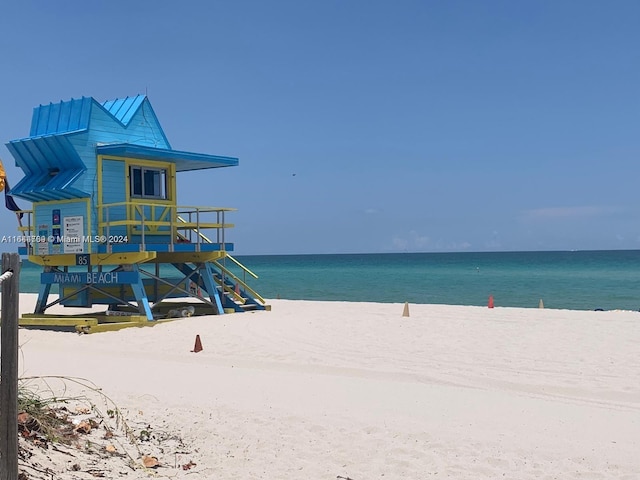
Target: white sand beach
326	390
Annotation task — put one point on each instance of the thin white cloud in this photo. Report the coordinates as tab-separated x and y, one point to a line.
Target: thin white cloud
399	243
410	242
493	244
413	241
551	213
420	241
459	246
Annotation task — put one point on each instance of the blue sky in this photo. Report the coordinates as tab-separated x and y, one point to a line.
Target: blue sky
409	125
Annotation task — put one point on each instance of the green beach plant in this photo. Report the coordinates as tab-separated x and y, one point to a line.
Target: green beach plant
50	413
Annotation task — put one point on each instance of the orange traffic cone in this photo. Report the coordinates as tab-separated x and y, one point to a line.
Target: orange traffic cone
198	346
490	301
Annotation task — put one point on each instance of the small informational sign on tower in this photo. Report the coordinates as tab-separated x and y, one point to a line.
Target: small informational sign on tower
73	233
42	245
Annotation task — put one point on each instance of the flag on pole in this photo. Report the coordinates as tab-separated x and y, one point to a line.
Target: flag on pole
9	202
3	176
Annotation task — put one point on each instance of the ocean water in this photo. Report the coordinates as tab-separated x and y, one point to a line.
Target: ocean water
581	280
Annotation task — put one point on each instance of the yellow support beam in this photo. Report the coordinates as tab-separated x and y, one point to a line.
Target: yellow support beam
41	320
200	234
69	259
112	327
201	225
83	324
187	257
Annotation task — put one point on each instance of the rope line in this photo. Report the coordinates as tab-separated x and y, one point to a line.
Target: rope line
6	276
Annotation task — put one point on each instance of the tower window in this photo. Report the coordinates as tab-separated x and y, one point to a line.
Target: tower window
148	182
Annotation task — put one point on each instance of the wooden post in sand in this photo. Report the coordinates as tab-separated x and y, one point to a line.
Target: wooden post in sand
10	275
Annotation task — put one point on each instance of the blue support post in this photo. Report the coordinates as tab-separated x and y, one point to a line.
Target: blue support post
141	295
43	296
211	287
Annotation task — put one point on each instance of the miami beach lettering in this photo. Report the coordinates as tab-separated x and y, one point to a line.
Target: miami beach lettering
95	278
89	277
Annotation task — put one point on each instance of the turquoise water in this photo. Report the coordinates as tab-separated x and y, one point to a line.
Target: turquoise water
583	280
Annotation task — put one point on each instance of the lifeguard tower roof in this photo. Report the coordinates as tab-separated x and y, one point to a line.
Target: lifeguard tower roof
59	155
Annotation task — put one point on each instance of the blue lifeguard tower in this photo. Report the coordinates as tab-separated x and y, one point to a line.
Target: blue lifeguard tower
105	223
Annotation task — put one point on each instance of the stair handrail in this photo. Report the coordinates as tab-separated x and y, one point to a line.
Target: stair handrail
232	292
202	235
241	266
227	272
